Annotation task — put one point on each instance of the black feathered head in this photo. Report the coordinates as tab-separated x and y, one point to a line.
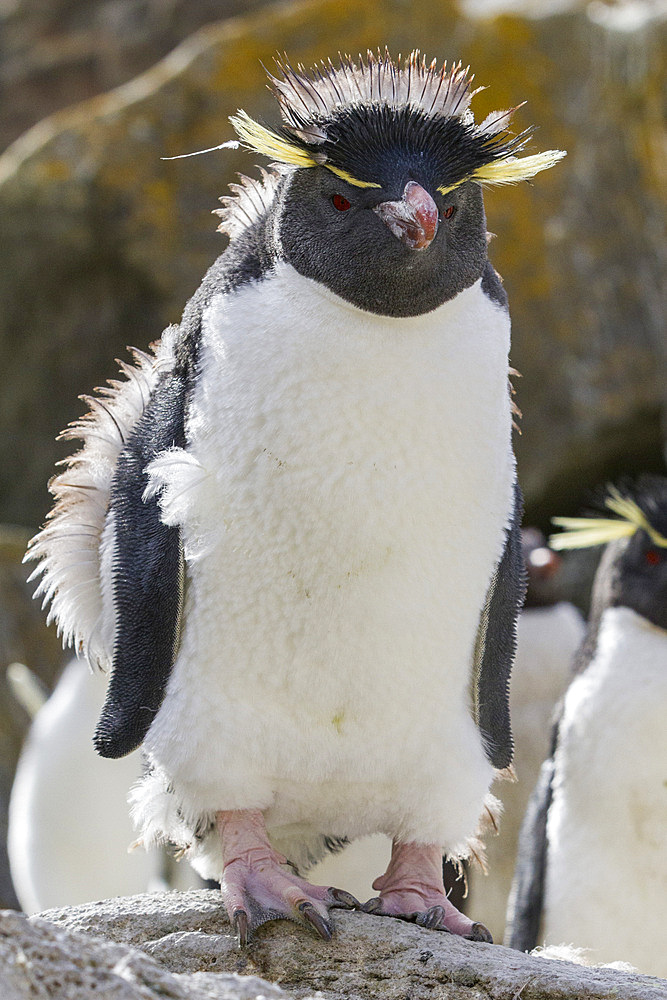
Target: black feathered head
359	116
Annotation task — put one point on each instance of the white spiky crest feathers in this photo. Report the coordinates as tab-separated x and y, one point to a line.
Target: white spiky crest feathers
380	80
70	547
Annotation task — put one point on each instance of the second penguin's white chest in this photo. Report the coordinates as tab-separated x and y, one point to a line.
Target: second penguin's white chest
607	821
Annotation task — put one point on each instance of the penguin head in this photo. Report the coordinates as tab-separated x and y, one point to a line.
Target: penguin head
398	250
638	577
633	569
637	565
382	201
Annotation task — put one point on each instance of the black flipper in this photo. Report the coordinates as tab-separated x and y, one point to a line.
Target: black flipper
524	907
147	580
496	644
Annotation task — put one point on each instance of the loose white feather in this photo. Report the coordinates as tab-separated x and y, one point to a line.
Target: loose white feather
249	201
70	547
176	477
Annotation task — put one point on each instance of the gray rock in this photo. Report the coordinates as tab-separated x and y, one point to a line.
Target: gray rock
369	957
43	962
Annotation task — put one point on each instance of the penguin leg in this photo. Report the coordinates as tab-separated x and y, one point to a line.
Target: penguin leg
257	885
412	889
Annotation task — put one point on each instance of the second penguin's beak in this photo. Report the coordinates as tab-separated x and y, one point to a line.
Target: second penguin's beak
413	219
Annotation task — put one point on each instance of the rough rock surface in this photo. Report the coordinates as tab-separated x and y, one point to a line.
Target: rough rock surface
369	957
43	962
103	241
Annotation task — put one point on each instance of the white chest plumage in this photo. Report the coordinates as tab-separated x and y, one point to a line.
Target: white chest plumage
607	868
343	500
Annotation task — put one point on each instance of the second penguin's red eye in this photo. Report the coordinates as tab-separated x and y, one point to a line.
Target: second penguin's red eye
341	203
449	211
652	557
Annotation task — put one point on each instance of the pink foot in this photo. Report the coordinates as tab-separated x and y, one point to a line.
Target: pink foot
412	889
256	887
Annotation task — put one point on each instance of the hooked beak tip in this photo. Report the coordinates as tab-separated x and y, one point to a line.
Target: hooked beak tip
413	219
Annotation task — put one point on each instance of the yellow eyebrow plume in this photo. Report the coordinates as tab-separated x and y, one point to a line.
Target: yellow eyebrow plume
518	168
511	170
633	514
269	143
343	174
584	531
505	171
264	141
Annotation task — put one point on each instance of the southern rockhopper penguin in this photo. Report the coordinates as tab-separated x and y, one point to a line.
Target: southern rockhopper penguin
592	865
293	532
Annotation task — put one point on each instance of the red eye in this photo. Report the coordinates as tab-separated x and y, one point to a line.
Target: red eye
652	557
342	204
449	211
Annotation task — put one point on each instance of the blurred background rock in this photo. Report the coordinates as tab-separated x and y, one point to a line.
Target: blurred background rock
103	241
58	52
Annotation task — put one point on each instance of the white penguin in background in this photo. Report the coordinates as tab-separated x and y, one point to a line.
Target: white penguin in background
592	864
304	566
69	827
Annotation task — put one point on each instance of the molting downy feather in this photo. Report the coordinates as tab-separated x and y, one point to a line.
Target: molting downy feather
175	478
77	536
249	201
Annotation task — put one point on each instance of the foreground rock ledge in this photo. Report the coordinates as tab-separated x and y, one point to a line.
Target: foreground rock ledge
187	950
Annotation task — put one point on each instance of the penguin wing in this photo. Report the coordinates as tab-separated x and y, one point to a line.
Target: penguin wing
524	908
496	644
146	578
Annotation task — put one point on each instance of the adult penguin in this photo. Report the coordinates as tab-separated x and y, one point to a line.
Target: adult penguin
300	536
591	868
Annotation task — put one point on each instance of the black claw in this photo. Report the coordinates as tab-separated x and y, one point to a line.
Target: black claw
433	918
480	933
373	905
344	900
317	921
240	922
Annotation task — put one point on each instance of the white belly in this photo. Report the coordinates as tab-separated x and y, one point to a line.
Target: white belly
607	860
353	481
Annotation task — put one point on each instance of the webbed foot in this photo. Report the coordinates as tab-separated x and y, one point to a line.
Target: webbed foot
257	886
412	889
